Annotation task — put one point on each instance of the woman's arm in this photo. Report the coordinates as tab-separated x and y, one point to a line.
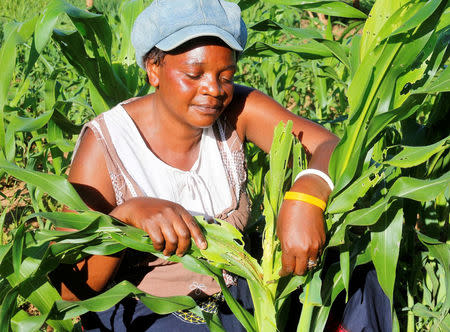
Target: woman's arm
300	225
168	224
89	176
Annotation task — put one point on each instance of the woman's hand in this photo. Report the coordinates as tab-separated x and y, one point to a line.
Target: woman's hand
168	224
300	228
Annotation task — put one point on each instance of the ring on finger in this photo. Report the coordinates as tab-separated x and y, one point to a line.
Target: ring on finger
311	264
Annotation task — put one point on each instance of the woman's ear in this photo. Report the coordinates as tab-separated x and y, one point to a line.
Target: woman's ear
152	73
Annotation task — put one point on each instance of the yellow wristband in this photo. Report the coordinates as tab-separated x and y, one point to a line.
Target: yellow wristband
305	198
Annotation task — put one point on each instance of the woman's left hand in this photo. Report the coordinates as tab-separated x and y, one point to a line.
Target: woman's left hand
300	228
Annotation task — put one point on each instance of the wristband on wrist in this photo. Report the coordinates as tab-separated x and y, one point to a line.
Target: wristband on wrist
292	195
321	174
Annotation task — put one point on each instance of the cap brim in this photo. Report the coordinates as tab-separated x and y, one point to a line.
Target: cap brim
188	33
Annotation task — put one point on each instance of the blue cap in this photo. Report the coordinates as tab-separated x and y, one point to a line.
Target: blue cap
167	24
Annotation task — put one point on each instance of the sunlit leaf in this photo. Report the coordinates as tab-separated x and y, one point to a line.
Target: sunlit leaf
56	186
385	249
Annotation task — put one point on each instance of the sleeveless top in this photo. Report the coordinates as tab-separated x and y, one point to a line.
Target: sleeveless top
213	187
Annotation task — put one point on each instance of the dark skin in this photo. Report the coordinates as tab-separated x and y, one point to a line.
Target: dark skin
193	88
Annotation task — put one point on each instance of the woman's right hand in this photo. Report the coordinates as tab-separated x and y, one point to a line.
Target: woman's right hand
168	224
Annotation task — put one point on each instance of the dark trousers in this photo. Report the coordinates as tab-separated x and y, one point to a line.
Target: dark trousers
368	310
132	315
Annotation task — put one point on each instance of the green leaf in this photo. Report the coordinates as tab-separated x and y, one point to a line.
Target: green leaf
4	251
245	4
270	25
212	320
441	84
68	219
404	187
56	186
441	251
49	18
30	124
381	11
354	54
420	190
345	201
311	50
292	284
97	101
411	156
93	36
381	121
14	34
280	152
60	117
337	50
104	301
129	10
320	87
22	322
9	304
7	62
372	90
385	247
422	311
17	248
226	250
38	291
103	248
344	263
426	11
311	292
332	8
332	286
201	266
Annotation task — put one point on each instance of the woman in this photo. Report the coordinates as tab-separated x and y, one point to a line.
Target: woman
157	160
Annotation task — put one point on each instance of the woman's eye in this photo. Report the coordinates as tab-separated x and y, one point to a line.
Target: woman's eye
227	79
193	76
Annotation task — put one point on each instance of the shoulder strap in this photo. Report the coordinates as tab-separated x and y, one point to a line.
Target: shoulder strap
232	153
124	185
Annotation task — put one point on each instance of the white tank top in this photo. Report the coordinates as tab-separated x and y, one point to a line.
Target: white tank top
203	190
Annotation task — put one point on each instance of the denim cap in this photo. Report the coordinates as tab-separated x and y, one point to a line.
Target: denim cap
167	24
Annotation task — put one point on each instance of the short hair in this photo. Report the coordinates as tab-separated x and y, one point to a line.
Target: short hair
155	56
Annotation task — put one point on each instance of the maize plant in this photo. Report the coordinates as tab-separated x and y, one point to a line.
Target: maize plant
391	74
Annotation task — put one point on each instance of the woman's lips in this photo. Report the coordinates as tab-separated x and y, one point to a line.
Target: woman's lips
208	109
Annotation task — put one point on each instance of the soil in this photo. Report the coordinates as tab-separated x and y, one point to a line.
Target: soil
15	199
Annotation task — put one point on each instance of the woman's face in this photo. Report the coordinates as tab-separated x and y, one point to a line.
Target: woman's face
195	85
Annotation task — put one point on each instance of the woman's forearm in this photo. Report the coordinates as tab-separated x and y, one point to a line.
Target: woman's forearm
87	278
313	184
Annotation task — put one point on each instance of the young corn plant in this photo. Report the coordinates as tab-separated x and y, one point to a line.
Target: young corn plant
393	76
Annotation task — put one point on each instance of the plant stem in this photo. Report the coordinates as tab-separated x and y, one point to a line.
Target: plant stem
410	327
265	315
307	310
38	142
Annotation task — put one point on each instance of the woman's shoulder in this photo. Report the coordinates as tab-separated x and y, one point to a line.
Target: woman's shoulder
246	93
117	109
242	93
249	103
247	99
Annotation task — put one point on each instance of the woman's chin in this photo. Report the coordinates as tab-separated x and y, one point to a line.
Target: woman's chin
205	119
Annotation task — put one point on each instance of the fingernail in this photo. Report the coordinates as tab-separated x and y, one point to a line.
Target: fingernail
203	245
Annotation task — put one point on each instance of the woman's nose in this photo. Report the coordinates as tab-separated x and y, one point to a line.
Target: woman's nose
211	86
